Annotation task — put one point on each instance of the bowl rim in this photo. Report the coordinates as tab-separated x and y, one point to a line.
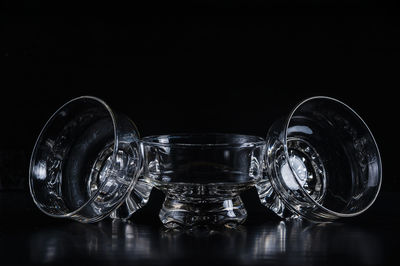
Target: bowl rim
254	141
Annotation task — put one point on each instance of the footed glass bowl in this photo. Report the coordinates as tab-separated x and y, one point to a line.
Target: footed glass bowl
202	176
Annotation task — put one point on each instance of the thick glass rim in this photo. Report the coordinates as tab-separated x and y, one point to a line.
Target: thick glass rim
292	113
93	196
250	140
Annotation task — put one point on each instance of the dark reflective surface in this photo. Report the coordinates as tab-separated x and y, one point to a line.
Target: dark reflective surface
44	240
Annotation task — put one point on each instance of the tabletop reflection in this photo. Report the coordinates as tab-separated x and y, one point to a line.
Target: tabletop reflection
299	242
291	242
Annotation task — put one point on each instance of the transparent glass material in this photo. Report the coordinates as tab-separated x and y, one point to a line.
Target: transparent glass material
202	176
322	163
85	162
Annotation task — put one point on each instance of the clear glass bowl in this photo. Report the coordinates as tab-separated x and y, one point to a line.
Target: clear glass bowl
322	163
85	162
202	176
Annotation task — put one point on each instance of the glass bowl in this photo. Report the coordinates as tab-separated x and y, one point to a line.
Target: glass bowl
85	162
322	163
202	176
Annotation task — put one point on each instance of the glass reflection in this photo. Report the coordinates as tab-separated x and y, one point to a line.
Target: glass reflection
300	242
286	242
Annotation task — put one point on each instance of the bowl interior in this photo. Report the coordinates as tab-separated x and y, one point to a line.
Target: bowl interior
72	158
333	155
203	158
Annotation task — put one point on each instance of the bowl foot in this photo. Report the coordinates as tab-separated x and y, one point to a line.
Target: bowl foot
138	197
178	213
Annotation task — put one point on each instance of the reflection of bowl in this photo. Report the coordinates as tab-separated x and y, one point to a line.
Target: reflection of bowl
298	242
202	175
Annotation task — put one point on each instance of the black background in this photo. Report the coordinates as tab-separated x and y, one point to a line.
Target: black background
200	66
197	66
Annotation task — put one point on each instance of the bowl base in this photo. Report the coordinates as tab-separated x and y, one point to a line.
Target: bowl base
227	212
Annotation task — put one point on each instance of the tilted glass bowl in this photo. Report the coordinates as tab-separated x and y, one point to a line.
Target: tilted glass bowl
85	163
202	176
322	163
